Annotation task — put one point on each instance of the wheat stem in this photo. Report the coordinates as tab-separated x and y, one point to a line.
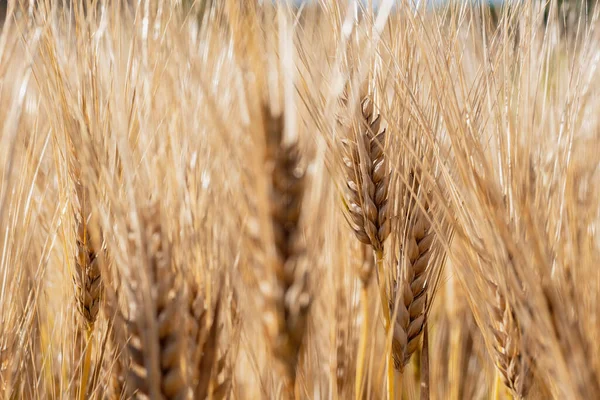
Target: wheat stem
87	362
362	346
382	290
416	364
497	385
454	361
399	380
425	365
386	315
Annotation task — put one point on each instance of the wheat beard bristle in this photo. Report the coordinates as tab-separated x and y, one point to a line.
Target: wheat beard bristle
367	183
87	279
412	284
287	303
169	339
513	366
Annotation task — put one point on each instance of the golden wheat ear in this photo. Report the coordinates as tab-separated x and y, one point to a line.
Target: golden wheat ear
87	278
287	297
156	344
412	285
497	320
88	291
514	367
365	168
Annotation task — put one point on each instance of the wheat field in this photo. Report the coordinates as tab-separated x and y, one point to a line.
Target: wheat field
235	199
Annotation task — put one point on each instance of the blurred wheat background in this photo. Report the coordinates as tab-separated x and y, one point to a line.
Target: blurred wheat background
319	200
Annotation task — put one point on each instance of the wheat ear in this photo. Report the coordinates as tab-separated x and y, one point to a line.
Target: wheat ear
87	278
367	181
88	282
412	284
511	364
287	298
157	344
88	288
